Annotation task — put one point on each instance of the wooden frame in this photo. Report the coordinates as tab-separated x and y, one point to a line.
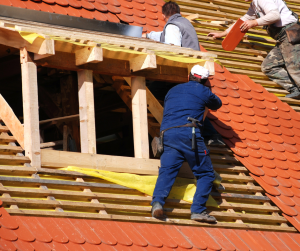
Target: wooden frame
30	109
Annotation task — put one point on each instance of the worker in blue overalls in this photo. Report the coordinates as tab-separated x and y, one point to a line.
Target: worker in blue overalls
185	101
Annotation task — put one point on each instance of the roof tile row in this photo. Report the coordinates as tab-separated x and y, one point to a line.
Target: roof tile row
62	234
145	13
264	135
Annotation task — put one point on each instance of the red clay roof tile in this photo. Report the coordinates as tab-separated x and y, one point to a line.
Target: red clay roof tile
8	234
235	239
24	245
5	221
263	242
54	230
288	241
102	232
18	3
249	240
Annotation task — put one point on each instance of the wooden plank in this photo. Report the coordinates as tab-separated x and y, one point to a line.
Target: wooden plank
7	149
60	119
142	62
47	49
229	168
239	178
60	159
122	199
241	198
30	109
87	112
4	138
114	209
11	121
13	160
51	144
3	128
146	220
139	117
88	54
242	188
62	184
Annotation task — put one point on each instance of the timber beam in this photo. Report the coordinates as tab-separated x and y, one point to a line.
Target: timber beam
66	61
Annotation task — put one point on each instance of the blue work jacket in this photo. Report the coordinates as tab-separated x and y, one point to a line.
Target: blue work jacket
187	100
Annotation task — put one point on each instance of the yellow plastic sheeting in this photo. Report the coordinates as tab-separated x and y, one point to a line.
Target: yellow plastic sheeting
28	36
183	189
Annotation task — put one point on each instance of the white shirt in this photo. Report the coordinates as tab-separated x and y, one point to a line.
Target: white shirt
172	35
267	10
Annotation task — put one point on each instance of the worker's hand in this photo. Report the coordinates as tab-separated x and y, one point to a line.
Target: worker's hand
248	25
216	35
144	35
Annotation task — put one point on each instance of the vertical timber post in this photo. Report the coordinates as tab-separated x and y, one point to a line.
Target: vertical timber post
86	111
139	117
30	109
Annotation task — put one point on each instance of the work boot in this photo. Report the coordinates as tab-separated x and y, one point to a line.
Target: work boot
203	217
157	210
216	140
294	93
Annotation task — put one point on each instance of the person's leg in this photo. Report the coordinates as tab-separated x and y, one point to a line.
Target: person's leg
171	161
291	56
201	165
274	67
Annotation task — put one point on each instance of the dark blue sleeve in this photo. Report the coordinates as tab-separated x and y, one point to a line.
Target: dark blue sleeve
212	101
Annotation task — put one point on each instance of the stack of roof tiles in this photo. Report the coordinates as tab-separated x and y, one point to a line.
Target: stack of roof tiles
43	234
264	134
145	13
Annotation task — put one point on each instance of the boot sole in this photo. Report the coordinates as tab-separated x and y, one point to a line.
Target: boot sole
158	213
204	220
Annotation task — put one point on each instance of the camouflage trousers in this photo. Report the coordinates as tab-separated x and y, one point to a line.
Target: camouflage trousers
282	64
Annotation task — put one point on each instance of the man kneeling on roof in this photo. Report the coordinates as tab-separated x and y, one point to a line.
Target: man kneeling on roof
183	103
179	31
282	64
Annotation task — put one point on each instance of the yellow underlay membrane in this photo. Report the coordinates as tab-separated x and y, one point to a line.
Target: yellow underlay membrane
183	189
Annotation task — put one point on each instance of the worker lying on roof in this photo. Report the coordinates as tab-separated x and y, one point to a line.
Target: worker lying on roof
179	31
183	103
282	63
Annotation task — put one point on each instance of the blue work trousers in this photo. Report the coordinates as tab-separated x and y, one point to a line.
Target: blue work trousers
177	148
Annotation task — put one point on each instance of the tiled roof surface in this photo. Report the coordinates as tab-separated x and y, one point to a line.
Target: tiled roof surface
264	134
145	13
62	234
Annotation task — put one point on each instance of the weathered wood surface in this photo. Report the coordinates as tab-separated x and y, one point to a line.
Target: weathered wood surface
87	112
12	123
139	117
30	109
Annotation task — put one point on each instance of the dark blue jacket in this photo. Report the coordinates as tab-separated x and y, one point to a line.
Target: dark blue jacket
188	100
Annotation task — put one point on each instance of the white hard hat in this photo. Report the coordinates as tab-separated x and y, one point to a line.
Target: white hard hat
200	72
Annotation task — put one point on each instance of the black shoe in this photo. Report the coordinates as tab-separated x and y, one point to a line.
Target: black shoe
216	140
157	210
294	93
203	217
